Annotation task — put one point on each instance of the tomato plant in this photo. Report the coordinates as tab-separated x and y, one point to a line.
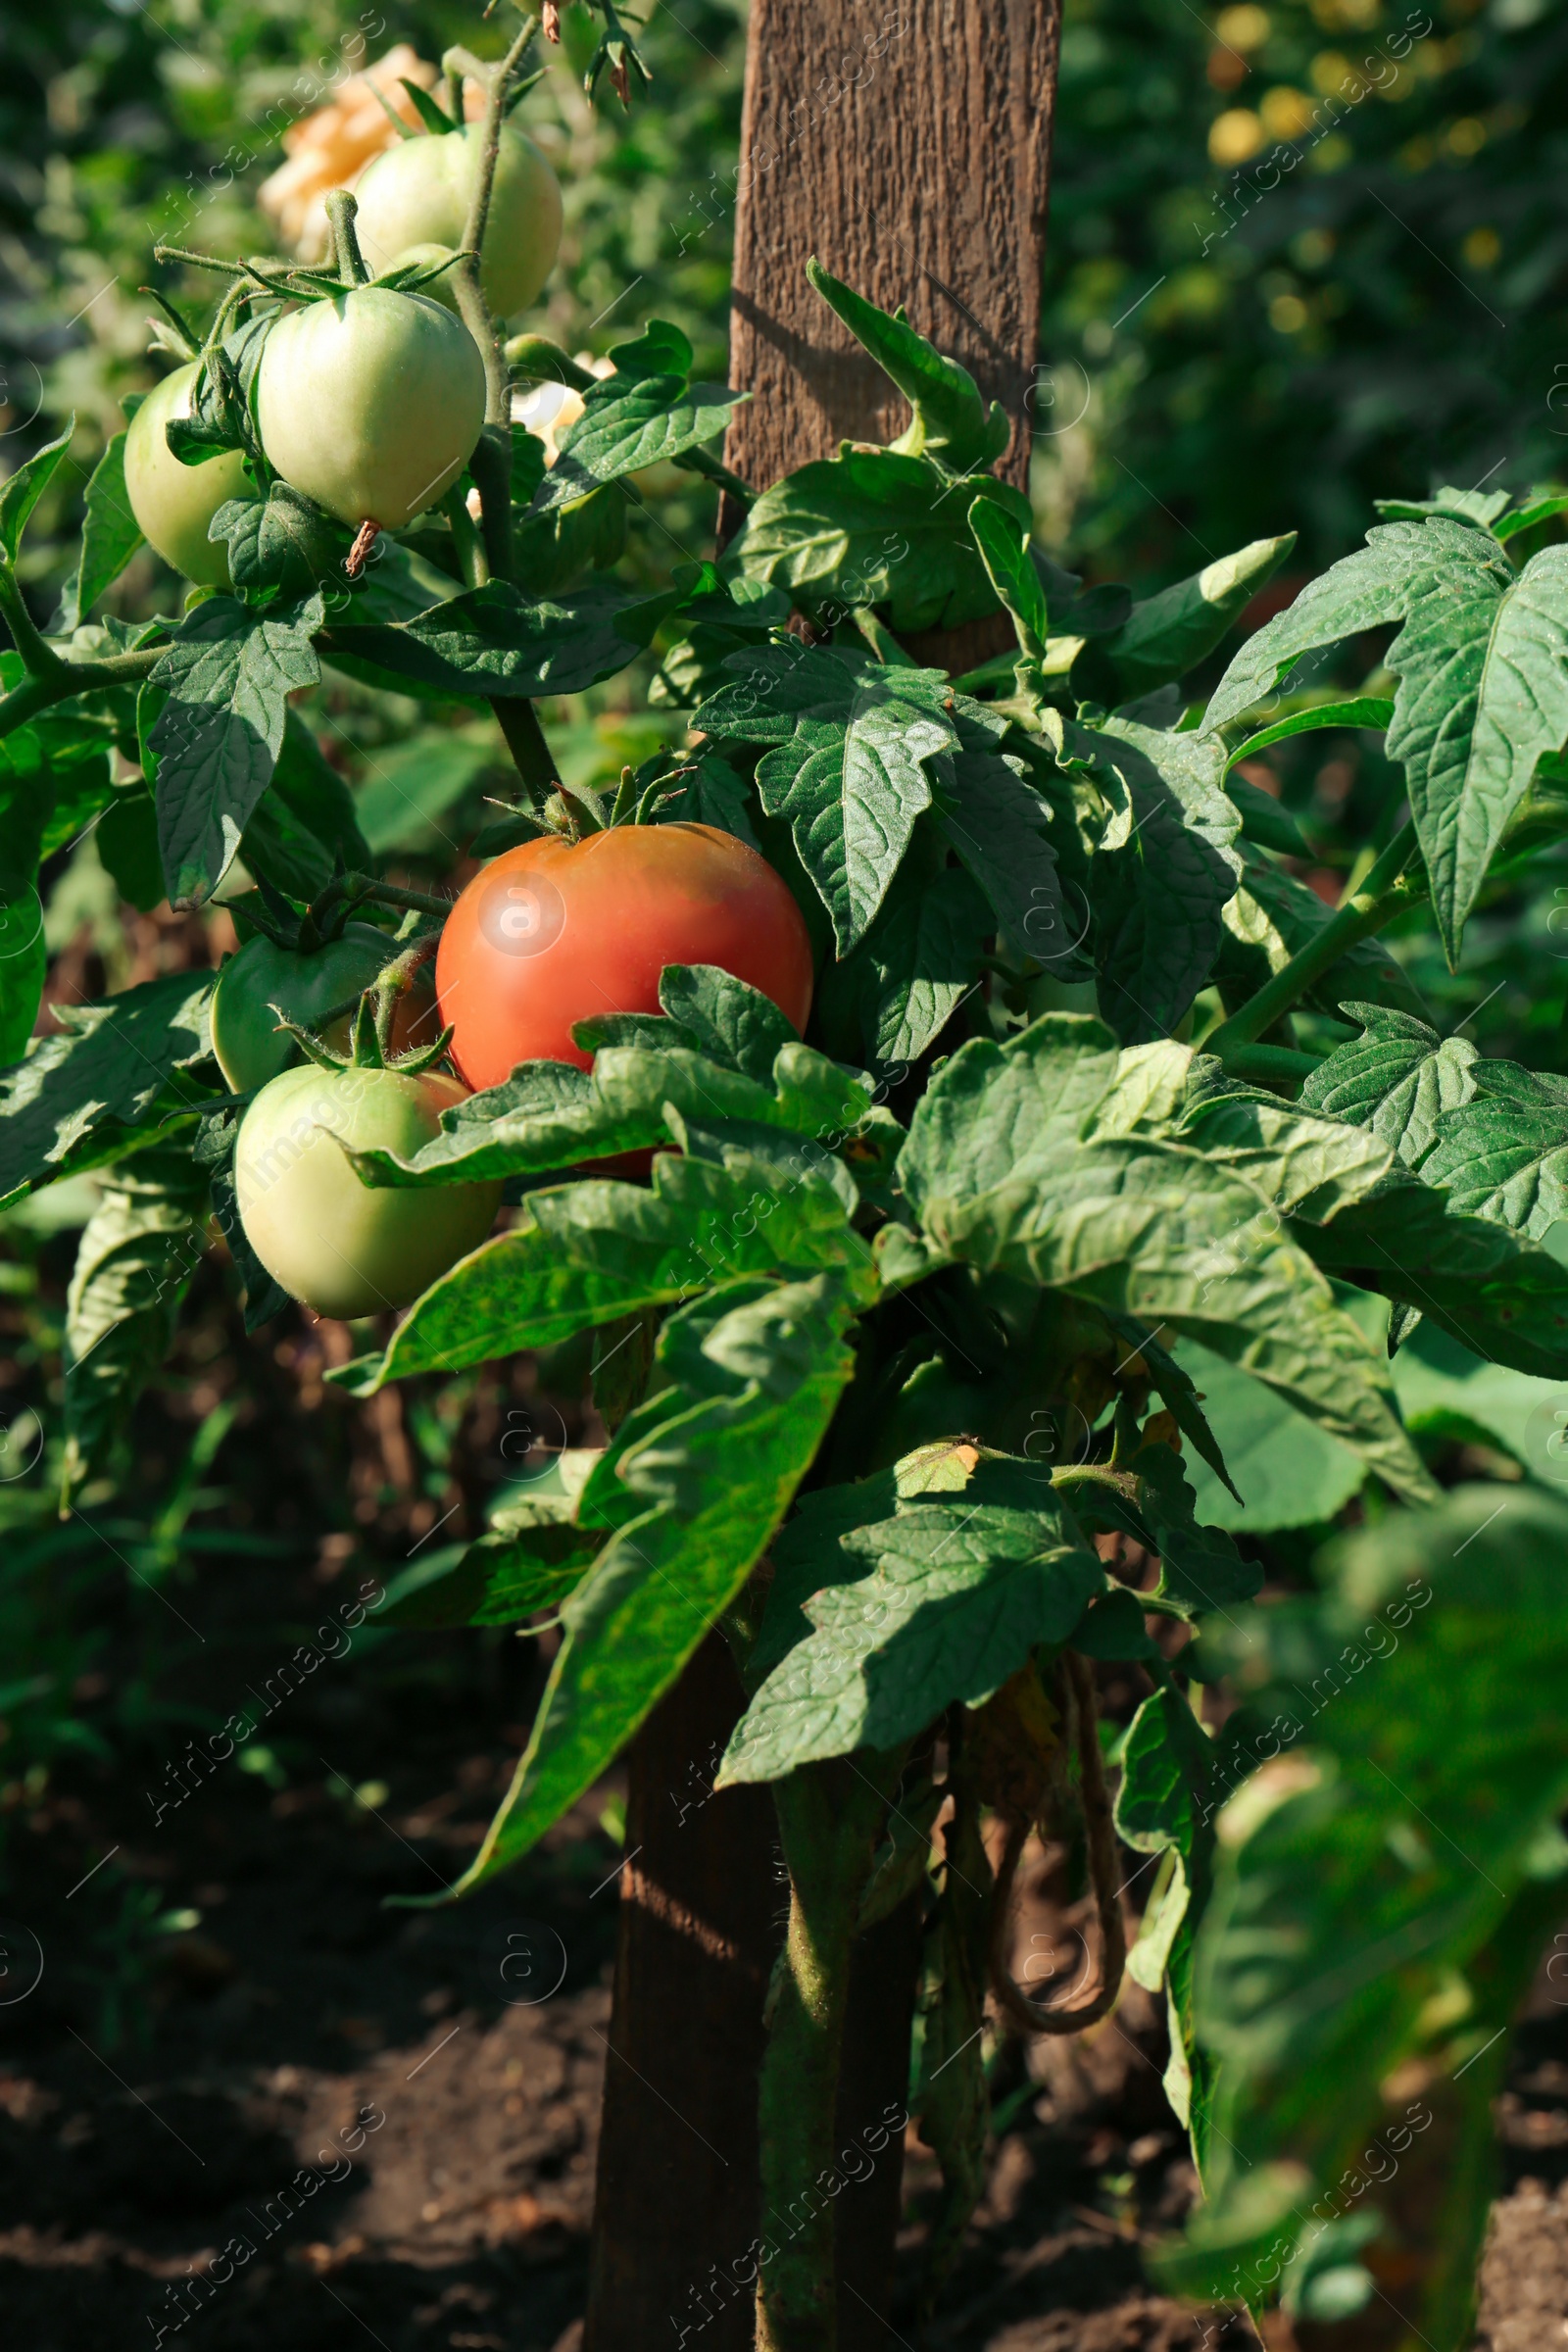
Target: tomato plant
418	194
174	504
555	932
1109	1173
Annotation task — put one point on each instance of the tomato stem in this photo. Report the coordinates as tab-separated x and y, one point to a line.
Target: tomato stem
341	207
518	723
43	663
465	538
1360	913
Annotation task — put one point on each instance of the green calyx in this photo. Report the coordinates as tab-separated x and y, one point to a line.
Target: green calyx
370	1044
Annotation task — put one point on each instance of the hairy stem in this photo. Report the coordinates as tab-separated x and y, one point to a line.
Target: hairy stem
830	1815
1361	912
466	276
43	663
40	691
702	461
518	723
1270	1065
341	208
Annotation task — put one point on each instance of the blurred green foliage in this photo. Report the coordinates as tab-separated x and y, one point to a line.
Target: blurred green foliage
1360	297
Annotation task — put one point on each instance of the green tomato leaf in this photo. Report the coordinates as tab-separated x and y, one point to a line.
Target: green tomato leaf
950	421
625	425
1481	661
942	1601
697	1480
555	549
1152	1501
20	491
705	1011
135	1263
115	1066
1399	1079
23	969
494	640
226	679
898	990
1011	1165
875	528
282	541
1004	552
111	533
1167	635
509	1575
589	1252
1502	1160
999	828
550	1115
1290	1472
1167	1804
847	771
1162	873
1496	1294
1369	710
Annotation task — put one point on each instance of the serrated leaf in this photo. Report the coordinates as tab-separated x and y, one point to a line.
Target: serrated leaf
586	1254
1305	1165
951	419
875	528
846	771
1000	829
505	1576
1489	1289
1166	635
1504	1161
909	975
1141	1227
1151	1500
1399	1078
707	1011
494	640
550	1115
135	1263
22	490
627	424
106	1072
694	1486
226	677
949	1599
1483	667
1162	872
308	821
282	541
111	533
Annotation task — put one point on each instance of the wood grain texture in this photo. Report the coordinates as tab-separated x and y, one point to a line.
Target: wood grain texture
906	144
701	1917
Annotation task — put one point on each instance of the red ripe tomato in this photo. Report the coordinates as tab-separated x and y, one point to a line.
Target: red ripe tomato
557	932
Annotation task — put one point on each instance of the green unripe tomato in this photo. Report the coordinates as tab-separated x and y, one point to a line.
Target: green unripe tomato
250	1046
341	1247
173	503
417	193
371	403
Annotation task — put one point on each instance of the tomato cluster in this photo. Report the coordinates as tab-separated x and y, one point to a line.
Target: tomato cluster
370	402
